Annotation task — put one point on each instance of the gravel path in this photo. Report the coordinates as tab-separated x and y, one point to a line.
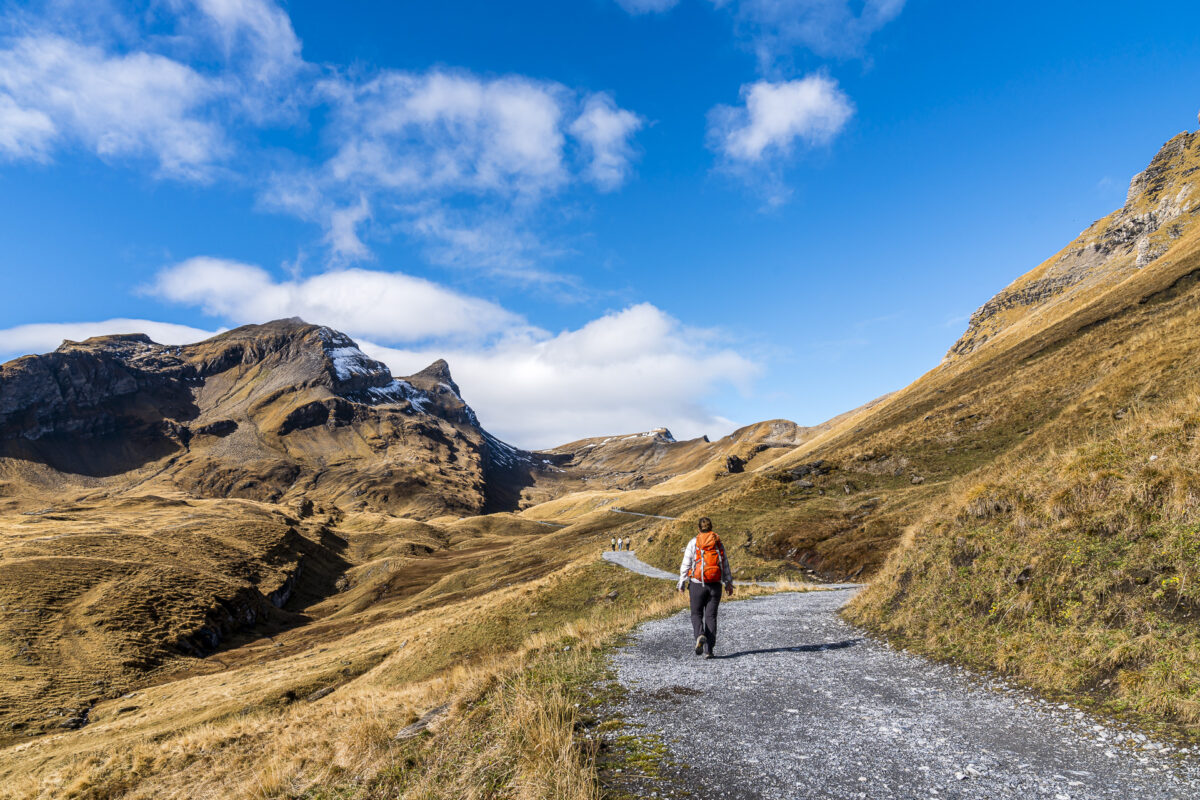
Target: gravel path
799	704
629	560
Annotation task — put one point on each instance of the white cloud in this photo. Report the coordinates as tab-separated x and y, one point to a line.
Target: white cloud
441	132
484	239
188	84
756	140
605	131
627	371
24	133
647	6
132	105
775	115
826	27
458	160
382	305
260	29
44	337
343	230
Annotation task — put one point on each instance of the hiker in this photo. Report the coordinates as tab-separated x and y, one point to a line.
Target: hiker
619	541
628	543
614	543
702	572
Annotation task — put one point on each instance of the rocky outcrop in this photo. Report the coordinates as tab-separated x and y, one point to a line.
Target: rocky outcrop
1160	205
92	388
261	412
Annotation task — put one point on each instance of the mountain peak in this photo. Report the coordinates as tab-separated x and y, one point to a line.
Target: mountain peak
435	373
438	370
1159	208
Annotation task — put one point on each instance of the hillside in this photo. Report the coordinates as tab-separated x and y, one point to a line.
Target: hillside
159	505
1059	370
239	567
642	460
1070	561
1030	503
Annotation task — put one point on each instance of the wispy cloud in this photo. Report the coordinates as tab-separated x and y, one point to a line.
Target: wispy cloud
258	33
757	139
343	236
190	85
647	6
56	92
464	162
605	132
774	29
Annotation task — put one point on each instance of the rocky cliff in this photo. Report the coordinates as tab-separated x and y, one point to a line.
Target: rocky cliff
274	412
1160	206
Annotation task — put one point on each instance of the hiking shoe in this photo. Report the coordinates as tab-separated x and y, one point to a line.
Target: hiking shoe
700	642
709	655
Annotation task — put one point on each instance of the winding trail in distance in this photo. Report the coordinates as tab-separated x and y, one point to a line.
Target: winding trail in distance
629	560
800	704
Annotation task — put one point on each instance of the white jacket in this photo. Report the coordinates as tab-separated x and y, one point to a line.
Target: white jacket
689	561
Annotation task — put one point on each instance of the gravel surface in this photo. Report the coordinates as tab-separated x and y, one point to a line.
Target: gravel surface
799	704
629	560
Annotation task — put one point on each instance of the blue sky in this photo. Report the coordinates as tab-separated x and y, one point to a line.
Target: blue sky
607	216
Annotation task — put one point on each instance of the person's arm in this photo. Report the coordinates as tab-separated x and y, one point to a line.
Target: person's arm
685	567
726	572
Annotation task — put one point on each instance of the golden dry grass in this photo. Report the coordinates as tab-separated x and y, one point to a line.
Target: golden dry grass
459	626
511	658
1075	571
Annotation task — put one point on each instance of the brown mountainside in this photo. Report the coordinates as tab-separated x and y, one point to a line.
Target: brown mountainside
274	412
1159	208
642	460
160	503
1030	505
1037	375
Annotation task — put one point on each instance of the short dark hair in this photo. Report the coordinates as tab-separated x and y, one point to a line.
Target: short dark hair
704	523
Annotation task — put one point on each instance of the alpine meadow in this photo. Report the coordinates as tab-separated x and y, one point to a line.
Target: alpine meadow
368	372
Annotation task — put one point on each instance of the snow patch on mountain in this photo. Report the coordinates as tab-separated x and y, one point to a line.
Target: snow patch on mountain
399	391
505	454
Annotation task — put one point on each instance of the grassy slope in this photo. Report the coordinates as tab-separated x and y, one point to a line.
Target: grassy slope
469	612
1069	559
1038	538
1075	571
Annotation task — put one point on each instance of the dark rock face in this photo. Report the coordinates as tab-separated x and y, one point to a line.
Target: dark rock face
79	390
220	428
117	403
813	468
241	612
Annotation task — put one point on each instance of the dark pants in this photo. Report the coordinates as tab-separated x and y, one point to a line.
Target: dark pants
705	599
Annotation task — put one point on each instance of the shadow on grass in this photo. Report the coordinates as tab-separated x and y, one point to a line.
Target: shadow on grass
801	648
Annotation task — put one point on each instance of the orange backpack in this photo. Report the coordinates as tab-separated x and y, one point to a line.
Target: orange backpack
707	567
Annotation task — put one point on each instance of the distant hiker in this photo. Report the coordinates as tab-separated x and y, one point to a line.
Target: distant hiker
628	544
614	543
702	572
618	542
